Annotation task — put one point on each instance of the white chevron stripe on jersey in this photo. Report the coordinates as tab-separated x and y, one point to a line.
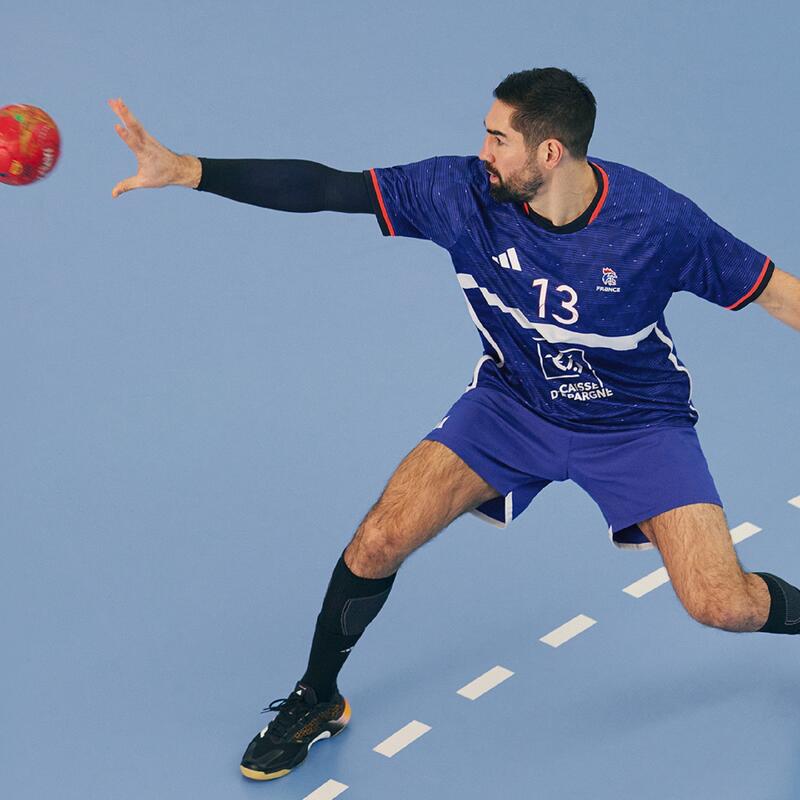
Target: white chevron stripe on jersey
501	358
476	372
552	333
674	359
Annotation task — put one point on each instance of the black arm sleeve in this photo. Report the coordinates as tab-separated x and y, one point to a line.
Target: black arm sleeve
286	185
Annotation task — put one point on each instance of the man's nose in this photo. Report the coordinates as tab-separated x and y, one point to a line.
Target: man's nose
485	154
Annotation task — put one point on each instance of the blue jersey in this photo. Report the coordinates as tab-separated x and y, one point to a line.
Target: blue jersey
572	318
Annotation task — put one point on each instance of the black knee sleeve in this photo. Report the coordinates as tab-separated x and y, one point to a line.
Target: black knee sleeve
784	609
351	602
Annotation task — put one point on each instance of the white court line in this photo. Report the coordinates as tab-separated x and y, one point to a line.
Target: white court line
795	501
483	683
648	583
744	531
659	577
327	791
568	630
397	741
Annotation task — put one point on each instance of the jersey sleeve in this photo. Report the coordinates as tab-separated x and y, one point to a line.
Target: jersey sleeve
719	267
428	199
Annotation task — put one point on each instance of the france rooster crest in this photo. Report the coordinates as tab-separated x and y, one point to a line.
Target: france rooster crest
610	279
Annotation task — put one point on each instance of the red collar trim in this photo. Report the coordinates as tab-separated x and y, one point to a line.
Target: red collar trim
602	196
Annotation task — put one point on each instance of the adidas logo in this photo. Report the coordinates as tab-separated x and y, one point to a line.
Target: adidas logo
508	260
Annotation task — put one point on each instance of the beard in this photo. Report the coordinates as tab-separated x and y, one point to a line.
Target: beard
517	188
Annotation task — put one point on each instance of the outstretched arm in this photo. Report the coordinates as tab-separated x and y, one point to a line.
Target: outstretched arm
286	185
781	298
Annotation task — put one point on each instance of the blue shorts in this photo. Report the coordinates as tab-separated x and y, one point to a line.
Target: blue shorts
632	475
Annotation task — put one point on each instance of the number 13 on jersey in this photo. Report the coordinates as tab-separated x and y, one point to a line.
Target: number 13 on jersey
568	304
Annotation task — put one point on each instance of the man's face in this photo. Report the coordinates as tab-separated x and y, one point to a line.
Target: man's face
513	173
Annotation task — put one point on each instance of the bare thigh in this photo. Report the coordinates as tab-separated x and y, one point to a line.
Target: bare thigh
430	488
696	546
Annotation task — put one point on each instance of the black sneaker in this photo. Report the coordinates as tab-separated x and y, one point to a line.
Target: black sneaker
285	742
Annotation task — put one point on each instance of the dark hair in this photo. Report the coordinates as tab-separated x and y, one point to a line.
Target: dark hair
550	103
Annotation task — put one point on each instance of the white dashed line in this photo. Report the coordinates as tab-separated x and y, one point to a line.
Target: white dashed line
483	683
397	741
648	583
327	791
795	501
496	675
744	531
568	630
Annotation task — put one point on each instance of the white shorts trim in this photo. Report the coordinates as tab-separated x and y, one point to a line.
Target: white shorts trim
629	545
508	510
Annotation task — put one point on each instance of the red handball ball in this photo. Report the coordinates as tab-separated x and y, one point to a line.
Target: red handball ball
29	144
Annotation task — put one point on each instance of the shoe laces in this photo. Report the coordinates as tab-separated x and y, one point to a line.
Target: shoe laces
290	709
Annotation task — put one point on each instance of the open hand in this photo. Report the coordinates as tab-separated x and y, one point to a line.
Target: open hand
157	165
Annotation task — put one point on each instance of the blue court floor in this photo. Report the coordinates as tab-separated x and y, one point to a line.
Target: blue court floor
145	677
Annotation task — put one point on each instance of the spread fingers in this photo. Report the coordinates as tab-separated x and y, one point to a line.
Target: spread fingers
135	132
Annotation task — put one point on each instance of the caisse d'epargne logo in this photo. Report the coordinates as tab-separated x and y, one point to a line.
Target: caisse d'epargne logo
569	365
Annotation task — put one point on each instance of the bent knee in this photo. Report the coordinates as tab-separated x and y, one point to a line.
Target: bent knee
378	549
714	616
381	540
726	610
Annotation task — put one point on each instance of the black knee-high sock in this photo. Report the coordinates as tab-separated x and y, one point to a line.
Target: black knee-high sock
784	610
350	604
